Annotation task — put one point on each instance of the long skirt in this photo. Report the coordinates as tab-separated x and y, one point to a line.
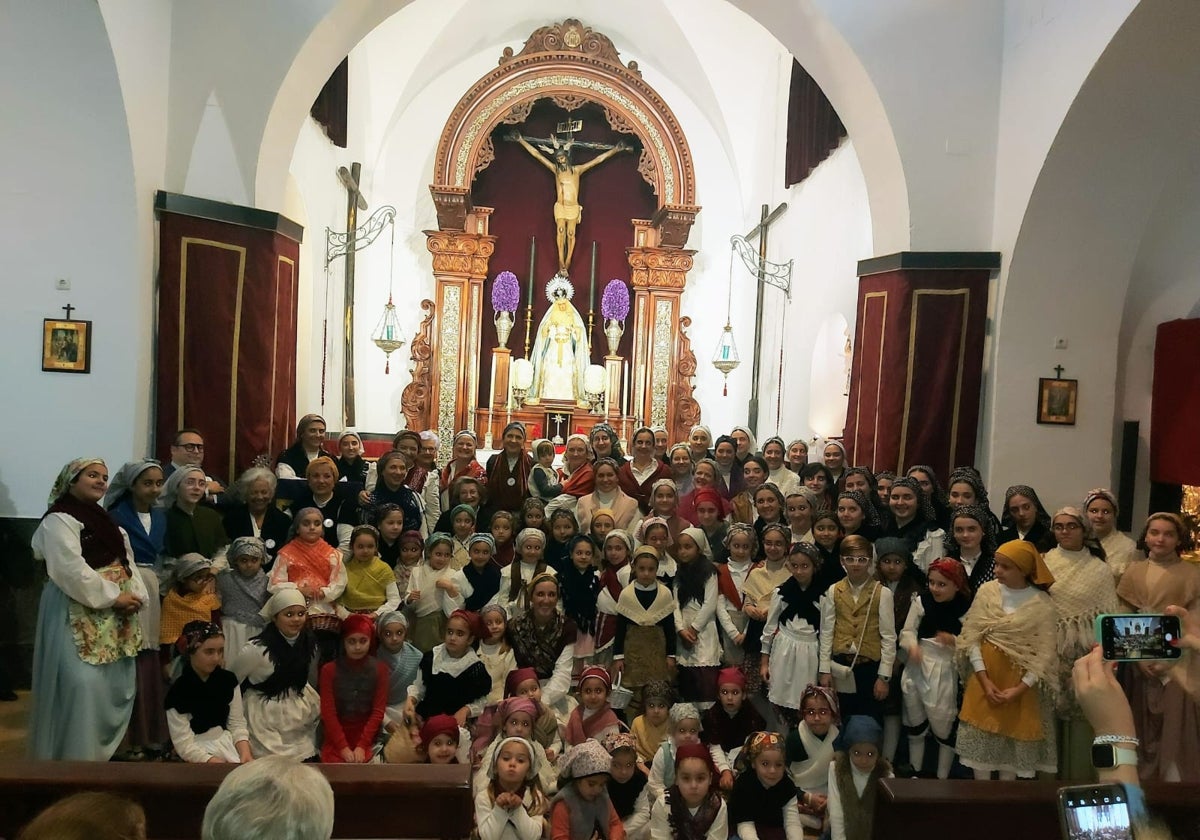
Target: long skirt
148	725
80	711
284	726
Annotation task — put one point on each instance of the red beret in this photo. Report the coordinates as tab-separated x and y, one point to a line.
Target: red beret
439	725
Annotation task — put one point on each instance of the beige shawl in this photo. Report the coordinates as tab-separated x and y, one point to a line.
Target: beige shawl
1027	636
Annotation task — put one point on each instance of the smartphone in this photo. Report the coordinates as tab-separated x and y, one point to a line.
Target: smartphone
1138	637
1094	812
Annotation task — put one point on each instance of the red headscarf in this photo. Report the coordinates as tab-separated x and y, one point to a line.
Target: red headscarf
953	571
696	751
358	623
709	494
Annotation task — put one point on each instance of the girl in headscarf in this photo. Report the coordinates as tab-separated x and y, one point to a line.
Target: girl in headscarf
972	542
729	468
580	582
770	507
1083	590
965	487
744	439
308	445
681	467
1005	655
88	633
132	503
531	562
204	705
616	570
512	806
741	548
700	442
809	749
401	657
278	668
762	803
582	809
478	582
316	568
789	638
354	694
698	653
243	590
1100	507
431	592
833	455
797	455
1025	518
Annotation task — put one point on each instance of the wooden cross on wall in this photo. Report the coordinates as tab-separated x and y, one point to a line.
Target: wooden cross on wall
355	201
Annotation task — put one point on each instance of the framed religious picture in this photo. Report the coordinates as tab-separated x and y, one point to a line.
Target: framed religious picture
1056	401
67	346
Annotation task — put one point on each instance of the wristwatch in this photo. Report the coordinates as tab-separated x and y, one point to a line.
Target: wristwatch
1106	756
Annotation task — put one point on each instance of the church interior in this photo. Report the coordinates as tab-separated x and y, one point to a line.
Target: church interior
287	207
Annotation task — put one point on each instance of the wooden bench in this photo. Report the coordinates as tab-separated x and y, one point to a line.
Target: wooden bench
387	800
968	810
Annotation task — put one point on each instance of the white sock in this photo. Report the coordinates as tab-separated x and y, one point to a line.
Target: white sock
945	761
916	751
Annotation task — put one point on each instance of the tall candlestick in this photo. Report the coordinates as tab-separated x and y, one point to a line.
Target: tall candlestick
532	257
592	290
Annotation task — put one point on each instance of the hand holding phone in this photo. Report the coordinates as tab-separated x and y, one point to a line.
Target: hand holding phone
1139	637
1094	812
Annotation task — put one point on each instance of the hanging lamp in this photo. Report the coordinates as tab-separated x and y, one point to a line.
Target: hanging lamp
726	358
386	334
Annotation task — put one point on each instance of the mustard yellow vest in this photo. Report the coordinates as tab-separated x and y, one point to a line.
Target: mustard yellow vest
853	616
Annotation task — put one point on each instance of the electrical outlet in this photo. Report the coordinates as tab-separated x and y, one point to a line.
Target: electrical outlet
1060	344
62	284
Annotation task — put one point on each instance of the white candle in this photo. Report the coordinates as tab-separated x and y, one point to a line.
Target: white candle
492	387
625	402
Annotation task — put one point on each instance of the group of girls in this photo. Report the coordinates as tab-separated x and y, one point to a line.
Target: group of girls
773	601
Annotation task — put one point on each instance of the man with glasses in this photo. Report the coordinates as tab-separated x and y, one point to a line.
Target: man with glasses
187	449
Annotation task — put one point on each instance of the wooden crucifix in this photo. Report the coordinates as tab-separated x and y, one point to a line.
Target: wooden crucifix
355	201
769	217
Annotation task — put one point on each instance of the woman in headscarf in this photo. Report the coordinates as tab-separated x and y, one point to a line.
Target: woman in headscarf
661	442
705	475
857	515
1025	518
579	478
191	526
132	503
88	633
605	443
544	639
466	490
754	473
834	457
462	462
729	468
308	445
744	439
637	476
797	455
508	470
607	494
679	459
965	487
915	522
1083	590
774	452
700	442
1100	507
863	480
928	480
393	488
351	464
255	513
423	479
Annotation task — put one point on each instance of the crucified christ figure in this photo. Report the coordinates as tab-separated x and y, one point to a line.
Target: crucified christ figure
555	155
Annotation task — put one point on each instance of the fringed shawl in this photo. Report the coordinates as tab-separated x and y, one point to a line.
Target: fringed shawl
1027	636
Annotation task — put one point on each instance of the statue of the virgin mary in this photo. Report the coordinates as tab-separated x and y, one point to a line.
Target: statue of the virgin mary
560	352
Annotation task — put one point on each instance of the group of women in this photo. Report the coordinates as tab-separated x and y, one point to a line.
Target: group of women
719	509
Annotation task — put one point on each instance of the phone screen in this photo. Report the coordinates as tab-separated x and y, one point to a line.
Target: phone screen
1135	637
1095	813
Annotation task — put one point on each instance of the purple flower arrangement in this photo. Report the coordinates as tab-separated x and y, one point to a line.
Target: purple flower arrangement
506	293
614	303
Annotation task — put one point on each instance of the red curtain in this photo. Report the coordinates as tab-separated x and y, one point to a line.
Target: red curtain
1175	404
522	193
814	129
226	336
916	370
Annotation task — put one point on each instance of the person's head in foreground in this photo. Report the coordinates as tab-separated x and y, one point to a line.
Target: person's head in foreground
272	798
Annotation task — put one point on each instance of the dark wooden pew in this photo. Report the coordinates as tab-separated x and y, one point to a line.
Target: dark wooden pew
387	800
958	810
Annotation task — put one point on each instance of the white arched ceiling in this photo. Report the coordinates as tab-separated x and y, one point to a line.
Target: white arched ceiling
805	29
1134	124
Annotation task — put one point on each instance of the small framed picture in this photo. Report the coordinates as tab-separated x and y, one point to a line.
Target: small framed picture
67	346
1056	401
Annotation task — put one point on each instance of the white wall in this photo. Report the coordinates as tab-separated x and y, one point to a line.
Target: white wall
68	209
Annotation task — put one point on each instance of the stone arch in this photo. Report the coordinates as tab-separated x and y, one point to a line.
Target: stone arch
570	64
